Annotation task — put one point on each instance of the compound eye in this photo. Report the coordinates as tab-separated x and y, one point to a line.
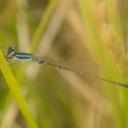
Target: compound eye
10	52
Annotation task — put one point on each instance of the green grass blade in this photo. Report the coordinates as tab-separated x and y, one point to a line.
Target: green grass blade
13	86
104	57
43	23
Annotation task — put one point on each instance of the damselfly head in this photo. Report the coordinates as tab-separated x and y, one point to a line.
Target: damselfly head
10	53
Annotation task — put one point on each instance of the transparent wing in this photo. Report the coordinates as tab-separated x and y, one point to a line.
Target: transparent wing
80	67
89	70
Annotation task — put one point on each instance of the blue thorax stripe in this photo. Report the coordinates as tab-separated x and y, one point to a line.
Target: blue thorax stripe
23	56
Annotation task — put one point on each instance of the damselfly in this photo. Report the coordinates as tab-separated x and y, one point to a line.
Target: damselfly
11	53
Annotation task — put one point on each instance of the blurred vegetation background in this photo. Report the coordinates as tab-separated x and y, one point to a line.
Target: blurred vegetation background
92	33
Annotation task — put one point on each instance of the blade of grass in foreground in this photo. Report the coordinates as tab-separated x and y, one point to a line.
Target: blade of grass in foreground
13	86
